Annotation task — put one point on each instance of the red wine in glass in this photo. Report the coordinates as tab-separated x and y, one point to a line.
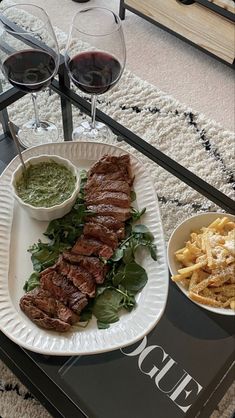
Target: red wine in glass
95	58
29	70
94	72
29	60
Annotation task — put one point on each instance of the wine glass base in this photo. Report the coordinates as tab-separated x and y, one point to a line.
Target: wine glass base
30	135
86	132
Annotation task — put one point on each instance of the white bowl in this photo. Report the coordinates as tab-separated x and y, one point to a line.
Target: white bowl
178	239
52	212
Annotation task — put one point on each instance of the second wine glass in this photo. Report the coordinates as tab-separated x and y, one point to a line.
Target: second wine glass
95	58
29	57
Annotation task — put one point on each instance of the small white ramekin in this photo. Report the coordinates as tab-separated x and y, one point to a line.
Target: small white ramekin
53	212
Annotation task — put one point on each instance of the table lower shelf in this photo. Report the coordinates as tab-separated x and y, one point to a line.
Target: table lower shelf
203	27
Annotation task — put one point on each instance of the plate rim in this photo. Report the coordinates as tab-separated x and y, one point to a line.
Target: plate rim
164	265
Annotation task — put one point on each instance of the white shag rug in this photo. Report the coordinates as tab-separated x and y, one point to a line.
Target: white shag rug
199	144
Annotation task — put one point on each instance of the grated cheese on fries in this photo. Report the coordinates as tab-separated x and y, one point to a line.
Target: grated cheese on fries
208	264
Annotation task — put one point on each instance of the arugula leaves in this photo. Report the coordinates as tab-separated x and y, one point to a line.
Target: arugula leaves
108	304
134	277
67	229
45	254
136	215
32	282
62	234
138	236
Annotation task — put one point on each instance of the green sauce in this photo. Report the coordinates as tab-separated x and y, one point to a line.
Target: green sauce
46	184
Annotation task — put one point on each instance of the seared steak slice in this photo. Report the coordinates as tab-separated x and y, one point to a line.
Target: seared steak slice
101	183
121	233
121	214
44	301
62	289
80	277
108	198
89	246
43	320
101	233
112	164
111	223
100	178
28	304
92	264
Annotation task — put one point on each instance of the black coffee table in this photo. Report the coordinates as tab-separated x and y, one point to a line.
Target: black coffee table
182	368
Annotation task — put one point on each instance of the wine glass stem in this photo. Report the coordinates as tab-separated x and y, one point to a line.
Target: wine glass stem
93	110
35	106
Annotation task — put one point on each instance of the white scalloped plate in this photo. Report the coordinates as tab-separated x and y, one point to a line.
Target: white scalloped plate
18	232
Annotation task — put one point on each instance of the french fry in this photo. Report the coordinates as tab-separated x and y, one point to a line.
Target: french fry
179	277
205	300
202	285
232	304
223	222
228	290
210	261
215	223
230	225
229	302
193	249
193	280
192	268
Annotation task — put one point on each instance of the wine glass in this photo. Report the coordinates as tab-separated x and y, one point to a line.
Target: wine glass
95	58
29	58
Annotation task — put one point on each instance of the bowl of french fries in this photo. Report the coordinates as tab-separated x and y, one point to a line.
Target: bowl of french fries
201	258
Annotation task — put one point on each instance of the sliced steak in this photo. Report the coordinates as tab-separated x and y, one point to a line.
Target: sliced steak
61	288
101	183
121	233
43	320
80	277
49	319
92	264
113	164
121	214
101	233
108	198
90	246
66	314
100	178
111	223
47	303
